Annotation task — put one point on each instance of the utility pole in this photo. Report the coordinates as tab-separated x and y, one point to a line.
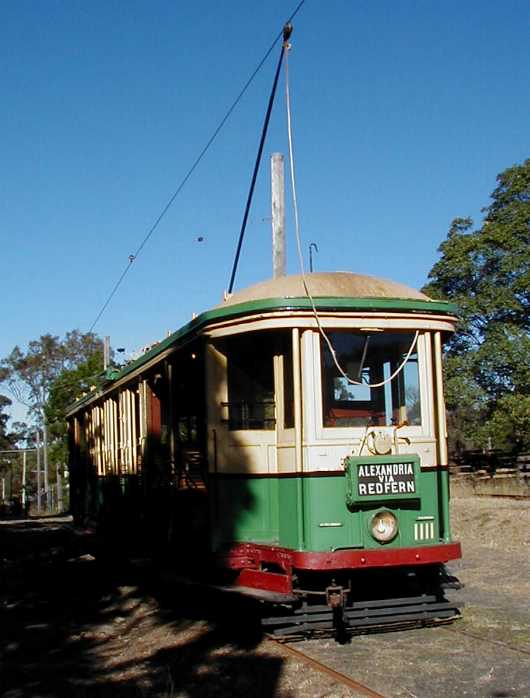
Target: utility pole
278	215
106	353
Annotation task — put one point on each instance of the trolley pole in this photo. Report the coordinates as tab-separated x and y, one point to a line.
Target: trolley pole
278	215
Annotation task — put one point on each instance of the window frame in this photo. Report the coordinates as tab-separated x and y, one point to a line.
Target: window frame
314	365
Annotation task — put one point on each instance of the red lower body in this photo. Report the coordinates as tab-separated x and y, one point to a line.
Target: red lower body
254	562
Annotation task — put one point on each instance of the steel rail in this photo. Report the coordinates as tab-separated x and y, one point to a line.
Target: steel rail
324	669
501	496
497	643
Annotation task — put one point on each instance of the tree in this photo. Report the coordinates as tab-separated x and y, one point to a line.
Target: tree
68	385
8	439
9	453
486	272
31	375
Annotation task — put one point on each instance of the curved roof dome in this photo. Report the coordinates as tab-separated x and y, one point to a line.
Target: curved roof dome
325	285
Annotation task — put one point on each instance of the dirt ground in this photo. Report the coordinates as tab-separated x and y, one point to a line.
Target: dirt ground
71	627
484	654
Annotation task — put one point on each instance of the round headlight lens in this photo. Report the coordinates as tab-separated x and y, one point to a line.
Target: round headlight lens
384	526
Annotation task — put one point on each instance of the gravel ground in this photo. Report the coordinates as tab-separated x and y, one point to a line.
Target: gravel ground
468	658
73	628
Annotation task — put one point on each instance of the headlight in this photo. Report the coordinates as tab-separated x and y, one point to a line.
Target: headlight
384	526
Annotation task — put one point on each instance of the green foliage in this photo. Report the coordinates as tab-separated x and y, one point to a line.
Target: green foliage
49	375
29	375
486	272
9	439
69	384
6	439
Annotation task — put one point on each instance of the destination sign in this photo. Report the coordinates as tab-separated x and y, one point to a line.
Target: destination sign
386	479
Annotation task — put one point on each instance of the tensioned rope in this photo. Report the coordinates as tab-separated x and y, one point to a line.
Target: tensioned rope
301	256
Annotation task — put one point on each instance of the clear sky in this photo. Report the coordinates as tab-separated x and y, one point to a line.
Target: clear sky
404	113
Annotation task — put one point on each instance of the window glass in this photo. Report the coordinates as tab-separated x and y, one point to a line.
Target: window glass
370	359
251	381
251	399
288	385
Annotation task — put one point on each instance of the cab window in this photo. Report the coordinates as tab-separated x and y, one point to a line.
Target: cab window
369	359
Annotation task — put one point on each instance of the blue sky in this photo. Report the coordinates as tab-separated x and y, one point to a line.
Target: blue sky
404	113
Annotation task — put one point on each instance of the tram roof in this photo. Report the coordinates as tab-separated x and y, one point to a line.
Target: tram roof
330	291
339	284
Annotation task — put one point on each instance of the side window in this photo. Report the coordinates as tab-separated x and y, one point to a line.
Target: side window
251	381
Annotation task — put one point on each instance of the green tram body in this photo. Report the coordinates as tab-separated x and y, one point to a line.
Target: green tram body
236	445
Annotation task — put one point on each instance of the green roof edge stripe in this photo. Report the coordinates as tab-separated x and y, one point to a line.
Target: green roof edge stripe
287	304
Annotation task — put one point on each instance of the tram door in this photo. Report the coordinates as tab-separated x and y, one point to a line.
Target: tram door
189	418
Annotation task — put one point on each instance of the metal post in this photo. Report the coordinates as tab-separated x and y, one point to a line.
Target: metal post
278	215
23	489
59	488
39	500
45	460
312	246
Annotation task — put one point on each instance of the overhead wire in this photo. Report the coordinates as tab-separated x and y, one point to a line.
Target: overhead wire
133	257
301	256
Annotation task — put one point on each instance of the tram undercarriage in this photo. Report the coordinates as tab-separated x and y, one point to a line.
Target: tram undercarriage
300	603
362	602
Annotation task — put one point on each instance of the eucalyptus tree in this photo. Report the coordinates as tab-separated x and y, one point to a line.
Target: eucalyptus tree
31	374
10	436
486	272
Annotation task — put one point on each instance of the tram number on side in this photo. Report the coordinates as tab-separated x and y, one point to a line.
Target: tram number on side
386	479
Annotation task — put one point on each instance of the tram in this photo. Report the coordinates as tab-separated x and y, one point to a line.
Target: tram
290	444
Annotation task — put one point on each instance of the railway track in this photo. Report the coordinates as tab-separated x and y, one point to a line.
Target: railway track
488	640
501	496
337	676
362	689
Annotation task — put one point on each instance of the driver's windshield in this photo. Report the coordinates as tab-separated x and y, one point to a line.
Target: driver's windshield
370	359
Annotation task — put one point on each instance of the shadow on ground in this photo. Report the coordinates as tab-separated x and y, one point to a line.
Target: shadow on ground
70	626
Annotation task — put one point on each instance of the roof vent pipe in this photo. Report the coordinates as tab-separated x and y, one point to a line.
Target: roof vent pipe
278	215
